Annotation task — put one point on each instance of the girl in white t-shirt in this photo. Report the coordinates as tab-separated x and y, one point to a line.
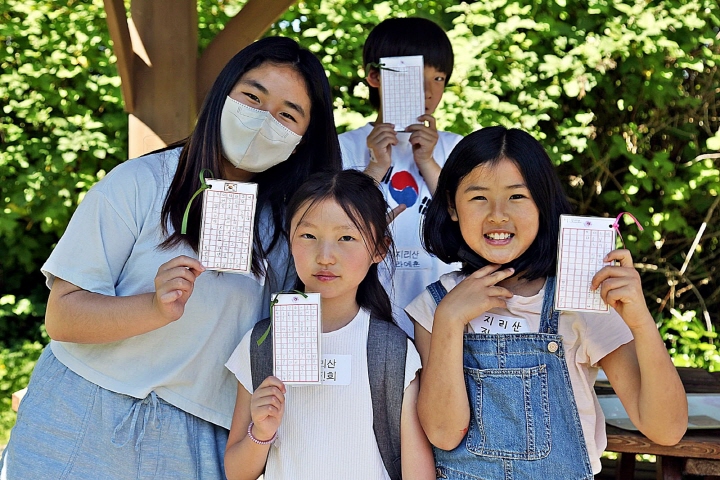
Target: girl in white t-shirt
338	234
521	404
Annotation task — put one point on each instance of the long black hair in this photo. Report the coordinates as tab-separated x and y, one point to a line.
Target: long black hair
360	198
488	146
318	150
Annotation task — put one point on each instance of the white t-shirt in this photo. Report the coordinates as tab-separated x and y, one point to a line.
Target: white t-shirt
111	247
587	338
327	430
403	184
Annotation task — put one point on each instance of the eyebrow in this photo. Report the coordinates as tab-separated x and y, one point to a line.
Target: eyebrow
480	188
348	227
288	103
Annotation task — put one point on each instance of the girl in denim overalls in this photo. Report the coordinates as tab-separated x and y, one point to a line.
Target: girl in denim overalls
507	384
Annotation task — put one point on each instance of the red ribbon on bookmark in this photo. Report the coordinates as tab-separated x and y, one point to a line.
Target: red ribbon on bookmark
616	225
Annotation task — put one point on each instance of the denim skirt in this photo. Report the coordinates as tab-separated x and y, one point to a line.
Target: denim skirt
69	428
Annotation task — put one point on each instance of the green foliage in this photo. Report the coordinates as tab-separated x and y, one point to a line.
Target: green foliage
624	95
62	127
16	365
335	31
689	343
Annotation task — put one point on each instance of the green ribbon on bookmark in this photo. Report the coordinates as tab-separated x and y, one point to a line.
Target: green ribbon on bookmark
272	304
203	186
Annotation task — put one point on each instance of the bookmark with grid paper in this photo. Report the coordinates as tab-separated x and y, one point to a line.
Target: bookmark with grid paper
583	243
297	334
226	229
403	90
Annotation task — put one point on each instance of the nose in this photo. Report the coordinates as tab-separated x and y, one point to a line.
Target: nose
497	213
325	253
428	88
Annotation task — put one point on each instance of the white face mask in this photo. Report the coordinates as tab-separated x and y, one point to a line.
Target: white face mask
253	139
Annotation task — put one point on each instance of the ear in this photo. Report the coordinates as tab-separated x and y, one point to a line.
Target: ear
451	209
373	77
381	251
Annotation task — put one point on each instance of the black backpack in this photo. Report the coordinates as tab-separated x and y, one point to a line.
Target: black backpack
386	351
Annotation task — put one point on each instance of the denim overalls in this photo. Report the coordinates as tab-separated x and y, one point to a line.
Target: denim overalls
524	422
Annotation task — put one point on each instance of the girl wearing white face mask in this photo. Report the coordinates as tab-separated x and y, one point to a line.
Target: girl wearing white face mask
133	379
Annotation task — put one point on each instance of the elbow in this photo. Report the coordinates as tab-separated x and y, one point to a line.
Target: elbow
59	330
669	438
445	434
444	443
53	327
670	435
670	432
56	328
442	438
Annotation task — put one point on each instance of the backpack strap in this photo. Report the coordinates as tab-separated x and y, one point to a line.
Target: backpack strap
261	356
437	290
386	352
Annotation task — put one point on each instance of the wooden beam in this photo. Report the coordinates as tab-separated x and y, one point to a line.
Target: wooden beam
165	72
247	26
120	35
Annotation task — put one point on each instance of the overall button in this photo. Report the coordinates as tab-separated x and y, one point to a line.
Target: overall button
552	347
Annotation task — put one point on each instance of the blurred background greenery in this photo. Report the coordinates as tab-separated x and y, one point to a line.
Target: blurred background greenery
623	94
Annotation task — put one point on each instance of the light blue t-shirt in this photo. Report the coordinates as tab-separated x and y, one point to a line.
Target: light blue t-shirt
111	247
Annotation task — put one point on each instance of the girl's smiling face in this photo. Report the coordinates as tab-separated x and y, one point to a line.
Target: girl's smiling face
497	215
330	252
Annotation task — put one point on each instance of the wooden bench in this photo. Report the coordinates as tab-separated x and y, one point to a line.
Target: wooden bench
698	453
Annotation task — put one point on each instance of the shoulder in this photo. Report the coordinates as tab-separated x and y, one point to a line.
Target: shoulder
451	279
422	308
449	139
388	329
357	135
140	176
353	146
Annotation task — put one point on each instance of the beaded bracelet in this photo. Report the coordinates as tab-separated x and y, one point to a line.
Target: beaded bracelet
259	442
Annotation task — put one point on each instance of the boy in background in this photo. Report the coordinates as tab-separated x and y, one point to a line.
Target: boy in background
406	164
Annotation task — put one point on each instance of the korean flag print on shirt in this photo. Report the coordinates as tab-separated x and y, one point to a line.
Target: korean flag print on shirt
403	184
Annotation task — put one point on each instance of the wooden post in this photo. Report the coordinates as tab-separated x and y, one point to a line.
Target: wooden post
165	76
163	80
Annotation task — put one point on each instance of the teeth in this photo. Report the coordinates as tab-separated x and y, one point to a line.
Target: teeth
499	236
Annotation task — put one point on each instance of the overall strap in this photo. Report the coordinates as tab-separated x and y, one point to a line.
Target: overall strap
386	352
549	316
437	290
261	356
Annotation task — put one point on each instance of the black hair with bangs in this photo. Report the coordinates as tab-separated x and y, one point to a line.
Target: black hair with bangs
441	235
361	199
397	37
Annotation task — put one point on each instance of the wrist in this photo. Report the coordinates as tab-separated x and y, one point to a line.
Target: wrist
258	440
376	170
451	321
641	324
425	162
